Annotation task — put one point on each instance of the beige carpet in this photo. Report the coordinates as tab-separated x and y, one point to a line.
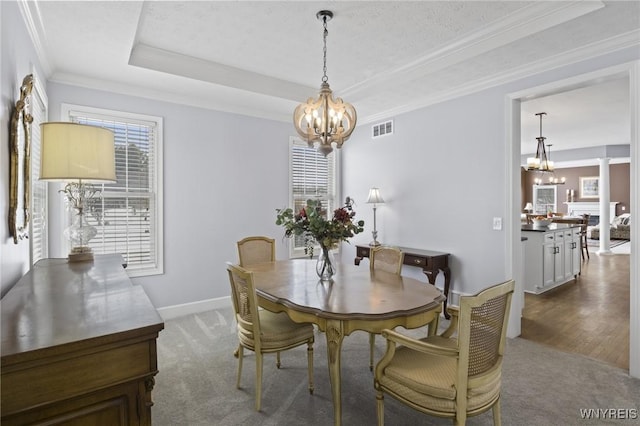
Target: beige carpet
196	383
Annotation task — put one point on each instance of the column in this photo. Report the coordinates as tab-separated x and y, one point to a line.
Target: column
605	201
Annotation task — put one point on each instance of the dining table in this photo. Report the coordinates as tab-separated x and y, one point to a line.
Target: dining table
355	298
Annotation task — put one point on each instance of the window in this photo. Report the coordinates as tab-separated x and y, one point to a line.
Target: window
128	215
312	176
38	242
544	199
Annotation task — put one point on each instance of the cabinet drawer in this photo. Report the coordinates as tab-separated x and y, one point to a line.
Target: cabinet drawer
549	238
363	251
27	386
559	236
414	260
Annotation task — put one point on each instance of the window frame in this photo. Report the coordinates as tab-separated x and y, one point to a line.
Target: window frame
68	111
332	199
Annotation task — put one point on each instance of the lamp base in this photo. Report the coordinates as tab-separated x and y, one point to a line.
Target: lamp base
374	244
81	254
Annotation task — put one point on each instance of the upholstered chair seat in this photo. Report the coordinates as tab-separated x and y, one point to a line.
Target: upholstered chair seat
277	331
456	374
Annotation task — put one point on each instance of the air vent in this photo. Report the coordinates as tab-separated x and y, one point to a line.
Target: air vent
382	129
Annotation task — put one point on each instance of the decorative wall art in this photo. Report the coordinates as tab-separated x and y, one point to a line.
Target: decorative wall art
589	187
20	170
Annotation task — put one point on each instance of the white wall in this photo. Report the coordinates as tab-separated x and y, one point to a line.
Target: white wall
17	59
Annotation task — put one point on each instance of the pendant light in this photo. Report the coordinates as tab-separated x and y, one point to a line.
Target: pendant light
325	122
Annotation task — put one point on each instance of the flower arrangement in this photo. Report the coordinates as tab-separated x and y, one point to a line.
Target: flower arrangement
312	223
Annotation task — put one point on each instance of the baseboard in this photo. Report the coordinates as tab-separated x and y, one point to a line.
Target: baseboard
175	311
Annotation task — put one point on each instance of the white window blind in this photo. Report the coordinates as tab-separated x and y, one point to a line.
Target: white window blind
38	240
128	213
313	176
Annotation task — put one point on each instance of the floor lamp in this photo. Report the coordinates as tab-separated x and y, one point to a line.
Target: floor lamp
78	155
374	198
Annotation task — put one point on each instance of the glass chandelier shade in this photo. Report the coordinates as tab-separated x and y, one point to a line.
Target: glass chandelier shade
325	123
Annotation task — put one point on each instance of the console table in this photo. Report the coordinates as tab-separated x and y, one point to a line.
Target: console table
430	261
78	346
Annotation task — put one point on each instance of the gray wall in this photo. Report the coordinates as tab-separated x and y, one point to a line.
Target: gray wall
17	59
443	176
224	176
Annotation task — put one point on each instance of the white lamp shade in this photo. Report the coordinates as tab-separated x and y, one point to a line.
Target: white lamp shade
71	152
374	196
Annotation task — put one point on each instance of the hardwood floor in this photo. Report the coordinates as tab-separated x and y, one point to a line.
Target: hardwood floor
589	316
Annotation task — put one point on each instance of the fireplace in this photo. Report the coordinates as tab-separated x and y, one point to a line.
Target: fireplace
591	208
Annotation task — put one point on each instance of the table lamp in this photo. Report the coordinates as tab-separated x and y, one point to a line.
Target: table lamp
79	155
528	208
374	198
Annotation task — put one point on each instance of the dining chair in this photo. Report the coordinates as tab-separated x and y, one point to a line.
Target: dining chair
263	331
583	235
258	249
252	250
456	374
388	259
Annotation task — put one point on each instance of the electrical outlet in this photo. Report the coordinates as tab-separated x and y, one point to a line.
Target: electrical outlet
623	208
497	223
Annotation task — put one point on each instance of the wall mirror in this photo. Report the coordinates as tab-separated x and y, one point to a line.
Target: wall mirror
20	170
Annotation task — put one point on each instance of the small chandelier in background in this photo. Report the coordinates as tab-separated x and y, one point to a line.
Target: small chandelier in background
540	163
324	121
552	180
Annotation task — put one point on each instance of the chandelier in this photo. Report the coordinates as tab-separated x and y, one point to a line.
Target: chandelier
552	180
541	162
325	122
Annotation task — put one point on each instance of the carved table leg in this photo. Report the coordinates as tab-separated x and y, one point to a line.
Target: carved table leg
335	336
431	276
447	283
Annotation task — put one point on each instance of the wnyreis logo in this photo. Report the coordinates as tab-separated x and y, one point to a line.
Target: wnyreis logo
609	413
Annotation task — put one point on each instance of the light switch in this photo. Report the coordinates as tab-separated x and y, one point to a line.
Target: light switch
497	223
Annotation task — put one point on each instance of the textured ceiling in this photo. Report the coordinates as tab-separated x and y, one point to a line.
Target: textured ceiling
385	57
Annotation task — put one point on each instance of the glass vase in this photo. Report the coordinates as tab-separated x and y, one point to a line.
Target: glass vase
326	265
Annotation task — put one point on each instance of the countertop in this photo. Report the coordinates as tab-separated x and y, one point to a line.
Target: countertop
550	227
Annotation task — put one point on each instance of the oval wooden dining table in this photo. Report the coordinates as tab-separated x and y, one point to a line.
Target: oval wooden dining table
356	299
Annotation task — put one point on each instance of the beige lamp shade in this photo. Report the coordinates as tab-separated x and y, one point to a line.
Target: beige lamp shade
71	152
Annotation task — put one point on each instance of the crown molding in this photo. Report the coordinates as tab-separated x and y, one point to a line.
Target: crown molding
583	53
524	22
205	102
31	15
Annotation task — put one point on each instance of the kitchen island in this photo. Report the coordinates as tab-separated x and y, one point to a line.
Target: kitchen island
551	256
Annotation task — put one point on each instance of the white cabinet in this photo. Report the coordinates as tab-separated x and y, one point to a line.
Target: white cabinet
552	256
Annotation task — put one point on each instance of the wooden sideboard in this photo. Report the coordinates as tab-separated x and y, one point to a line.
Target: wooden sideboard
78	346
430	261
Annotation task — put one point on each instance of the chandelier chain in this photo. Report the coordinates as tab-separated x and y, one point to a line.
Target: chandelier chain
324	49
